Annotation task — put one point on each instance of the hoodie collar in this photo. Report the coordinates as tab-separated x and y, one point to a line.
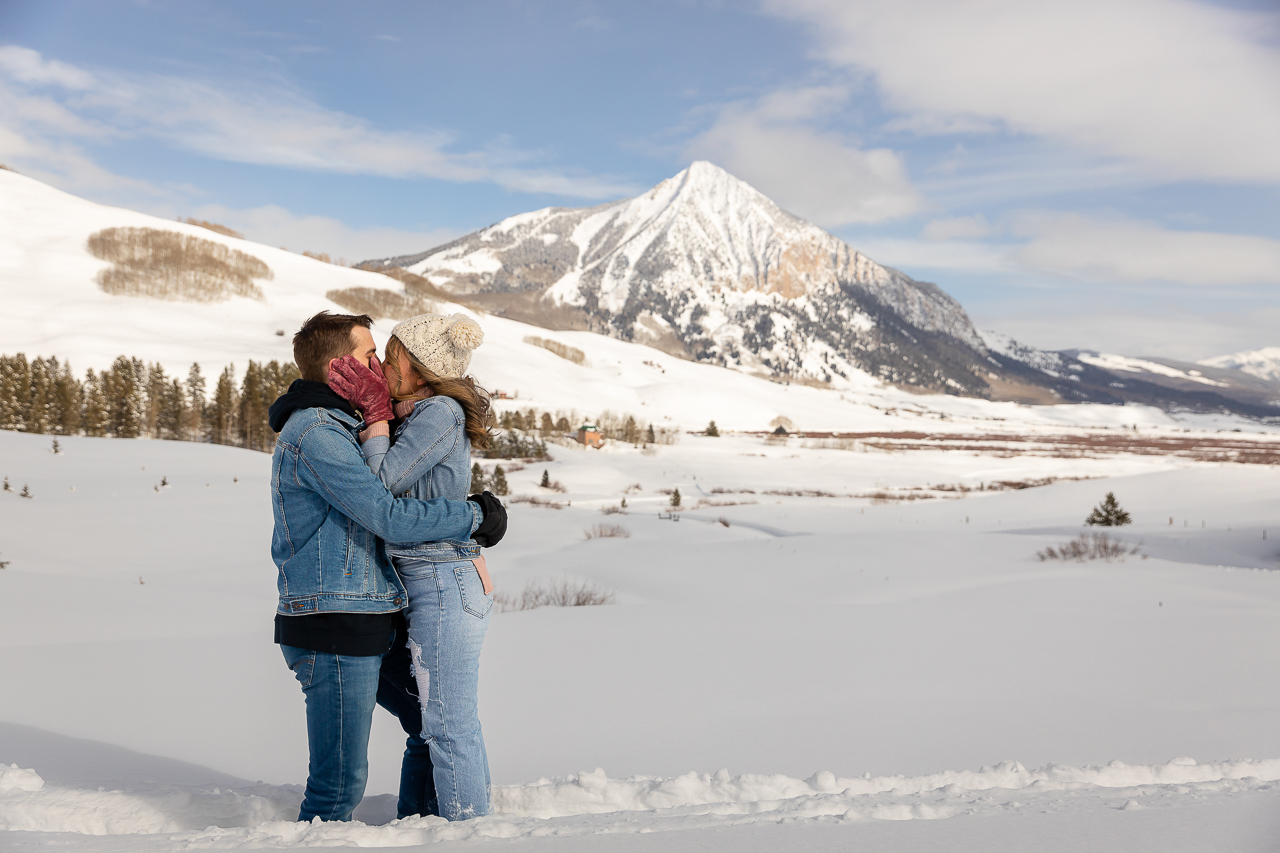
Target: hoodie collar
306	394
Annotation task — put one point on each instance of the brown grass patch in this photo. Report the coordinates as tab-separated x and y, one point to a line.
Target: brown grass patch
565	351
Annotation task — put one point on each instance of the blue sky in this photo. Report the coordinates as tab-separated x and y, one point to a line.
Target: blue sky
1084	174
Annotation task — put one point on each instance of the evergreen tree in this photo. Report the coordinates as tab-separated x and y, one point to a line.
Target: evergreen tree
546	480
56	449
193	426
711	430
26	492
477	479
7	487
675	497
650	438
123	387
96	412
562	425
548	425
68	397
157	387
630	432
38	415
499	481
173	411
17	388
222	408
1108	513
252	412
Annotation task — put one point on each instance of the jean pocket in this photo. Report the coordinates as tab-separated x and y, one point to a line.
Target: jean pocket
474	601
302	662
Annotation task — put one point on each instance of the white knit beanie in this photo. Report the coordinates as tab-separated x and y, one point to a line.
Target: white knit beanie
443	344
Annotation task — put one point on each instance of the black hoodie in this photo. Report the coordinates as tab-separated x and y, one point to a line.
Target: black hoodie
305	394
332	633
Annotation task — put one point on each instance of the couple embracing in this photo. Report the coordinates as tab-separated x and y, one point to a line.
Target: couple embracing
384	594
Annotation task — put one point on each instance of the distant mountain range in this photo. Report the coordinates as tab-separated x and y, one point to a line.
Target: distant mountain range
706	267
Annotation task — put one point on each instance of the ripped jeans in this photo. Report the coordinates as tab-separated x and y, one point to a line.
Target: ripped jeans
448	615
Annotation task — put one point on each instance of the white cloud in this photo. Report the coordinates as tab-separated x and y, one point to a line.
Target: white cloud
1187	88
950	256
1178	333
275	226
263	125
1128	251
957	227
772	144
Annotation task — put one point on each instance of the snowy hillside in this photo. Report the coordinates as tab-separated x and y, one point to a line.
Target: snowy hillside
1263	363
54	306
871	673
707	267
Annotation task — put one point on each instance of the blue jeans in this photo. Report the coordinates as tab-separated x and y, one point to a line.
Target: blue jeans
448	615
341	691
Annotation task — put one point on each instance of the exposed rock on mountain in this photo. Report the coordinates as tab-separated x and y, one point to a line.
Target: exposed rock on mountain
706	267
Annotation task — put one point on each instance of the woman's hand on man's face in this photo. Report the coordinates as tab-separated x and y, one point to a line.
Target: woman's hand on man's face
362	386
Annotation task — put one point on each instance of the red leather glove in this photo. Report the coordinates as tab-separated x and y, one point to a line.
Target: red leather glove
362	387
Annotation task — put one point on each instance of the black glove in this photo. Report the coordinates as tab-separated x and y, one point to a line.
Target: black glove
494	526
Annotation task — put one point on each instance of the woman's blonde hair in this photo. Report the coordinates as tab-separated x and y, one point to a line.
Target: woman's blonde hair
473	399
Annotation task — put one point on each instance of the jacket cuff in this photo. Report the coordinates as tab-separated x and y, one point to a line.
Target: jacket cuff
377	444
477	515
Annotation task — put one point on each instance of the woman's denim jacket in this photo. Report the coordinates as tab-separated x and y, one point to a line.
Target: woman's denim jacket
431	458
332	513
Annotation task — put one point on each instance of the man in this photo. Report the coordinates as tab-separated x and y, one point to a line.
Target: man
340	599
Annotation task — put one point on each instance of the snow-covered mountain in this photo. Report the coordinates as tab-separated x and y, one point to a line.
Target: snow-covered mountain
1263	363
706	267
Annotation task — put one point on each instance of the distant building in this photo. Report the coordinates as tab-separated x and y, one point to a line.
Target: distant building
589	434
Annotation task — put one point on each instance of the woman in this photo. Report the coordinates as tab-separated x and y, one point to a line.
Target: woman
444	414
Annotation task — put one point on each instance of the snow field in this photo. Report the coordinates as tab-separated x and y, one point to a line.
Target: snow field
893	645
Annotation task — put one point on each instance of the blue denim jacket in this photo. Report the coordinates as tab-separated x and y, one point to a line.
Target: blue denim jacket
431	458
330	511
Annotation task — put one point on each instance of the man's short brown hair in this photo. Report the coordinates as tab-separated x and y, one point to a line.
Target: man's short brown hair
322	338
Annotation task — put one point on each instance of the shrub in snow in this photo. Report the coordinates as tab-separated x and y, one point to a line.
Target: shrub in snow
7	487
1108	513
607	531
711	430
675	497
558	594
1089	546
537	501
26	492
611	510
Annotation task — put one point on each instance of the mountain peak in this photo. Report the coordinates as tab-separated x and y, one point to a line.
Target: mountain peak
707	267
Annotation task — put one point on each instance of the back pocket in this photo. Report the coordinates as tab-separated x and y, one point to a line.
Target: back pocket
474	601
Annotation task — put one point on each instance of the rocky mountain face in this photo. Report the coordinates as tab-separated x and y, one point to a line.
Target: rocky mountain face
706	267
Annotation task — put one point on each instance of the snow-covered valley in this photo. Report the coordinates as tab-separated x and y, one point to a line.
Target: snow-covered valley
871	673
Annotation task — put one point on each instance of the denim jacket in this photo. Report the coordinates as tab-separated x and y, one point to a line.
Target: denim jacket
431	458
330	514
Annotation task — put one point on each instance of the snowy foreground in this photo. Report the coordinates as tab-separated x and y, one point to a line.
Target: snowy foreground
876	676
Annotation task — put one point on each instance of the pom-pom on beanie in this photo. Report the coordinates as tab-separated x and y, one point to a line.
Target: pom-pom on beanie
442	343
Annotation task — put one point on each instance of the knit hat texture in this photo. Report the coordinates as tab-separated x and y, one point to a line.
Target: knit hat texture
442	343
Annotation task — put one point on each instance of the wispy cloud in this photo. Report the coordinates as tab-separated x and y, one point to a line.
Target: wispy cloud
276	226
777	143
1185	88
1105	249
271	125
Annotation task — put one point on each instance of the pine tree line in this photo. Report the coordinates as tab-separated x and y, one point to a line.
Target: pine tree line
132	399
